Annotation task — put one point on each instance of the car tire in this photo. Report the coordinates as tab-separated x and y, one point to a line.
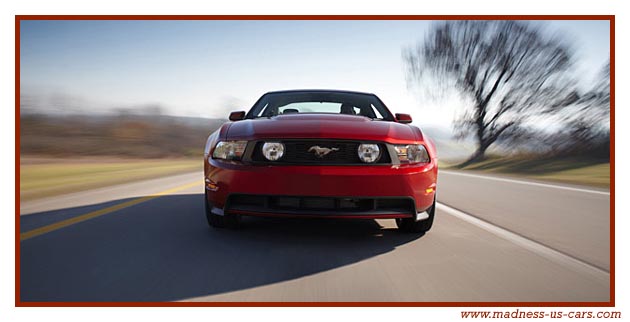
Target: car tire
216	221
410	225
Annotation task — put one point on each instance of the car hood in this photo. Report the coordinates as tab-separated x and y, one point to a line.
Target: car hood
335	126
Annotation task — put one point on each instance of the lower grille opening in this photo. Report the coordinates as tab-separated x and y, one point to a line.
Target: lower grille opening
248	200
321	205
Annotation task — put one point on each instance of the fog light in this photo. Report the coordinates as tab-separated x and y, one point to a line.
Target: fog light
369	153
273	150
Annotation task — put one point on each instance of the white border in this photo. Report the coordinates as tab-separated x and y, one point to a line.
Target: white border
11	8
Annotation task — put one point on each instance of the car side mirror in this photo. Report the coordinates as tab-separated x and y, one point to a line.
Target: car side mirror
237	116
403	118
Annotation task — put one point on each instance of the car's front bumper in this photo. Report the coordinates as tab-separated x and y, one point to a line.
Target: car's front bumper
383	191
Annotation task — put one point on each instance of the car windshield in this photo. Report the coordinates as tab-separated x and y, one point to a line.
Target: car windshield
281	103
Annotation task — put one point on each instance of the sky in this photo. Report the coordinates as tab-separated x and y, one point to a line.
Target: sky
207	68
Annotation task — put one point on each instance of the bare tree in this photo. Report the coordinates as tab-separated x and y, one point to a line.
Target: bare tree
586	123
595	103
509	70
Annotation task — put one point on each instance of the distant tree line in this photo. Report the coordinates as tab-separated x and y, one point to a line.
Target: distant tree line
127	135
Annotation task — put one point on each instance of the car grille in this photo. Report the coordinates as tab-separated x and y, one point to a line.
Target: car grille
297	152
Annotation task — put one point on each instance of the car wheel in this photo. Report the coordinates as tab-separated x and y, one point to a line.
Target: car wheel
410	225
216	221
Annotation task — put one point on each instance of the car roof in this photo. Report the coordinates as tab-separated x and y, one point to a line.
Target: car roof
318	91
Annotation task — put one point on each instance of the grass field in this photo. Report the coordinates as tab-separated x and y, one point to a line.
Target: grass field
568	170
49	177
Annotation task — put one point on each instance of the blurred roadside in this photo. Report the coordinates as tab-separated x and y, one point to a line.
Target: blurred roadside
526	107
574	170
557	157
123	135
64	154
45	177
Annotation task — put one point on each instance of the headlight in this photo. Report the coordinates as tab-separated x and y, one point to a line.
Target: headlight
412	153
369	153
273	150
229	150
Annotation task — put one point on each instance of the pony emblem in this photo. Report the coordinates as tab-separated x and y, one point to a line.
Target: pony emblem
321	152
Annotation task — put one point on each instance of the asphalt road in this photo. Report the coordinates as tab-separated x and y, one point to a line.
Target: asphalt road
494	239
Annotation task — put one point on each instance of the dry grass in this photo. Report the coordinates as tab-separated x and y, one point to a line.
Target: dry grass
595	175
47	177
569	170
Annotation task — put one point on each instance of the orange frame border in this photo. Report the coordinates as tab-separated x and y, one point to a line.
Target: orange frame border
610	18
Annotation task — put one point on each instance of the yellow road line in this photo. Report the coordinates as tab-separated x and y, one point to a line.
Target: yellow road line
98	213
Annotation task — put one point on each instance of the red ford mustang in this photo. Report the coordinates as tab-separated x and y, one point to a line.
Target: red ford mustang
320	153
